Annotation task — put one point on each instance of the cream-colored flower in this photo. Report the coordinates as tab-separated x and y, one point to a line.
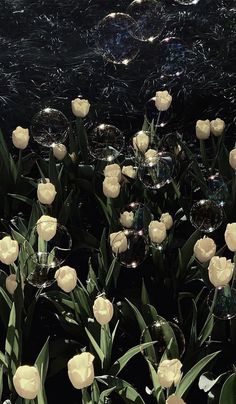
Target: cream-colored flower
230	236
81	370
169	372
163	100
11	284
103	310
9	250
66	278
73	157
127	219
151	157
204	249
141	141
173	399
46	193
166	218
80	107
113	170
46	227
217	127
111	187
157	231
20	137
203	129
220	271
232	159
129	171
118	242
59	151
27	382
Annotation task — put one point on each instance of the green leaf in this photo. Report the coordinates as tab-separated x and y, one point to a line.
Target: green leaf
1	382
22	198
5	297
112	273
187	249
3	360
228	392
105	394
144	294
206	330
121	387
82	140
95	392
193	373
42	365
95	346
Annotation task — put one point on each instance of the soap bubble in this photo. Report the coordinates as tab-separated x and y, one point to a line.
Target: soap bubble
206	215
187	2
142	216
225	302
217	189
173	54
41	268
137	249
106	142
155	176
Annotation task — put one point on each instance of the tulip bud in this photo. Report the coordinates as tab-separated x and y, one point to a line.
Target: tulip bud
59	151
166	218
11	284
27	382
203	129
66	278
129	171
169	372
118	242
151	157
111	187
20	137
46	227
127	219
220	271
204	249
141	141
232	159
73	157
173	399
81	370
230	236
217	127
103	310
9	250
157	231
163	100
46	193
113	170
80	107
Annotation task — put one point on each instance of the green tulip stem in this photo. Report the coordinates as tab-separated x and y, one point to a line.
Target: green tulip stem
213	303
203	153
75	307
234	274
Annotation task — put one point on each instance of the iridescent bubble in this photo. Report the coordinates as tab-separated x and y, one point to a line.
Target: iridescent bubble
137	249
160	119
173	54
106	142
148	15
162	332
217	189
187	2
50	126
142	216
155	176
224	306
40	269
169	159
206	215
115	38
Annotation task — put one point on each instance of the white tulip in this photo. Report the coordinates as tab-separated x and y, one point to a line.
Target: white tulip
46	193
204	249
203	129
151	157
173	399
166	218
66	278
217	127
127	219
59	151
46	227
118	242
230	236
111	187
20	137
81	370
129	171
157	231
163	100
220	271
80	107
169	372
11	284
113	170
27	382
73	157
9	250
232	159
103	310
141	141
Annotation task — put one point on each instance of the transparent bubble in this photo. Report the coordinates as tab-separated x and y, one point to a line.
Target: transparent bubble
224	306
142	216
217	189
206	215
50	126
187	2
160	119
162	332
115	38
170	161
137	249
148	15
173	54
106	142
155	176
41	268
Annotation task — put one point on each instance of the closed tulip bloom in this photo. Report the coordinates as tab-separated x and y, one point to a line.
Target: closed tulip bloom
151	157
27	382
11	284
81	370
217	127
141	141
174	400
9	250
204	249
46	227
203	129
169	372
220	271
59	151
66	278
118	242
103	310
111	187
163	100
232	159
113	170
46	193
127	219
230	236
166	218
80	107
157	231
20	137
129	171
